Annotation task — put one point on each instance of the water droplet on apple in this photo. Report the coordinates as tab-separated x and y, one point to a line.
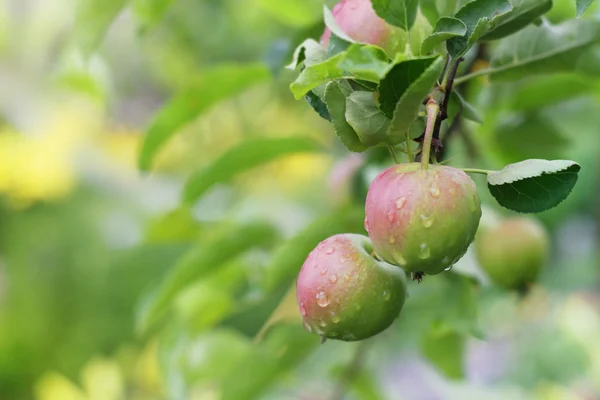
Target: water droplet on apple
333	278
425	252
400	202
400	260
427	221
434	190
391	216
322	299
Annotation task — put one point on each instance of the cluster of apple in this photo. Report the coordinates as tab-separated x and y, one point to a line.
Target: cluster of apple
420	220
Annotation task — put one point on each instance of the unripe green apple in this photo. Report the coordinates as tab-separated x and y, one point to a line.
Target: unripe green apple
422	220
344	293
513	252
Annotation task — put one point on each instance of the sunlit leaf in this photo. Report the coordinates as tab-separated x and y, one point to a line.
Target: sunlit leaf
366	62
533	186
215	85
310	52
445	28
248	154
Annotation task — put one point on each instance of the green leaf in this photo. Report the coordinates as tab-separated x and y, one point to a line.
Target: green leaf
407	108
582	5
295	13
520	136
480	17
445	349
335	98
283	349
400	13
92	20
546	90
149	12
248	154
523	13
366	62
318	105
465	108
310	52
445	28
217	84
430	11
289	257
369	123
543	49
399	80
207	301
533	186
214	250
210	358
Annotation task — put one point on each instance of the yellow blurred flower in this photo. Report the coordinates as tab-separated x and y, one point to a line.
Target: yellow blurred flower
39	164
107	379
101	381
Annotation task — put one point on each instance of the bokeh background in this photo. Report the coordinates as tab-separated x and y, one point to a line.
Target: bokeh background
86	238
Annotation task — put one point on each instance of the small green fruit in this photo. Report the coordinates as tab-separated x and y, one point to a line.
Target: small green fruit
513	252
422	220
344	293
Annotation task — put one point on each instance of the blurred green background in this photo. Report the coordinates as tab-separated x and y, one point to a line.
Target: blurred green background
122	284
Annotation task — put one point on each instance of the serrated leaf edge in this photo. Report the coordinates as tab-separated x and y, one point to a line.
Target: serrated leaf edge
391	128
554	166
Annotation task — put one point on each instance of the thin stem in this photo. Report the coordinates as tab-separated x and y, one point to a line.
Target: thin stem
351	371
448	85
409	152
477	171
433	110
394	154
482	72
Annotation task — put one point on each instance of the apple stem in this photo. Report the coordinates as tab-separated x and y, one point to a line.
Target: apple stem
433	109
